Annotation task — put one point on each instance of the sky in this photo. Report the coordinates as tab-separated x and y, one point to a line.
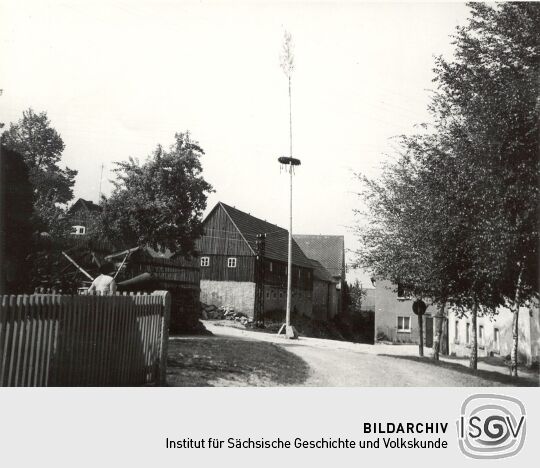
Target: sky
116	78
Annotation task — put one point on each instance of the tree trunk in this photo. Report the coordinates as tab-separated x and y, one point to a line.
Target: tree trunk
473	363
438	331
515	327
420	335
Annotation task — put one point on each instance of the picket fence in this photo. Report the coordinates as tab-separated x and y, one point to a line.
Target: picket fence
87	340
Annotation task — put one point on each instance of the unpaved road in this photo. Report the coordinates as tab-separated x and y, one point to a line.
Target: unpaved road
338	364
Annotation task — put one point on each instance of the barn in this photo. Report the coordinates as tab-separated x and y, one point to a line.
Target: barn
329	252
243	263
144	269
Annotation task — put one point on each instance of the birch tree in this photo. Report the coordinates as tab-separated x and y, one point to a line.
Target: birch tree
456	214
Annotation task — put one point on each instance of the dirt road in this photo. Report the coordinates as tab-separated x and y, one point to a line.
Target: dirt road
233	357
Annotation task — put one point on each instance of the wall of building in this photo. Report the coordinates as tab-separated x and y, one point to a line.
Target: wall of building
335	295
275	299
216	267
240	295
321	299
388	307
529	337
368	301
221	236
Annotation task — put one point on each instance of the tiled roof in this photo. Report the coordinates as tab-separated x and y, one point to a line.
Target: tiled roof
276	237
328	250
88	205
320	273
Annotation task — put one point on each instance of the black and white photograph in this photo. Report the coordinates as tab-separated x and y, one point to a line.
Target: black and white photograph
269	194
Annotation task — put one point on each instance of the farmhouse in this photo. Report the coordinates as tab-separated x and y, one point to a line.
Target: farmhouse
247	272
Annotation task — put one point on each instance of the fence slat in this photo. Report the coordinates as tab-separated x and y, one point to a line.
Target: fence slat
50	339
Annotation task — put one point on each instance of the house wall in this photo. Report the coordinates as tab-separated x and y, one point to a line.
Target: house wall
218	270
335	295
240	295
368	301
275	299
388	307
275	274
221	236
321	299
528	344
80	217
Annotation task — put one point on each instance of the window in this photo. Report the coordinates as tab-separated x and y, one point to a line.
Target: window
496	340
267	294
404	324
270	267
481	335
78	230
231	262
468	333
205	261
281	294
456	331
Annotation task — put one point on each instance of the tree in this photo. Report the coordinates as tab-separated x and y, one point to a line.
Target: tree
41	147
489	98
455	216
415	234
356	295
160	202
15	221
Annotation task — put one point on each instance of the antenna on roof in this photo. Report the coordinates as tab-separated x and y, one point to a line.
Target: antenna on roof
100	179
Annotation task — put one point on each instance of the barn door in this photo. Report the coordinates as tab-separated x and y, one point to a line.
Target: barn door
428	330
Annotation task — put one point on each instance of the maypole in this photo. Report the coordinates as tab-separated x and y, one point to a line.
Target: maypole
287	65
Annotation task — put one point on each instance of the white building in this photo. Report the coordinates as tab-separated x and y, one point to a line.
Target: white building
494	334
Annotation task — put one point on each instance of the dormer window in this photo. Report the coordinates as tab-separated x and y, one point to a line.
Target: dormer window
78	230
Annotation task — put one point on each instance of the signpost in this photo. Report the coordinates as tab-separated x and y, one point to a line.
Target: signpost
419	308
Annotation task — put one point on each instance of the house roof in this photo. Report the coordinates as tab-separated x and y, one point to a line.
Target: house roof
320	273
276	237
86	205
328	250
147	250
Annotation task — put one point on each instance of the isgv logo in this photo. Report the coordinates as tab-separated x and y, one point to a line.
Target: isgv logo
491	426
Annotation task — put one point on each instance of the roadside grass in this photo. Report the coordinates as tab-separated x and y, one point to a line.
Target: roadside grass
491	377
222	361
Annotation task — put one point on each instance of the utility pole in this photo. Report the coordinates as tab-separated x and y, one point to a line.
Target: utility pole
287	65
258	318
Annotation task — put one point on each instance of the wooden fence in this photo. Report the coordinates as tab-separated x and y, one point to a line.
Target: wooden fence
89	340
